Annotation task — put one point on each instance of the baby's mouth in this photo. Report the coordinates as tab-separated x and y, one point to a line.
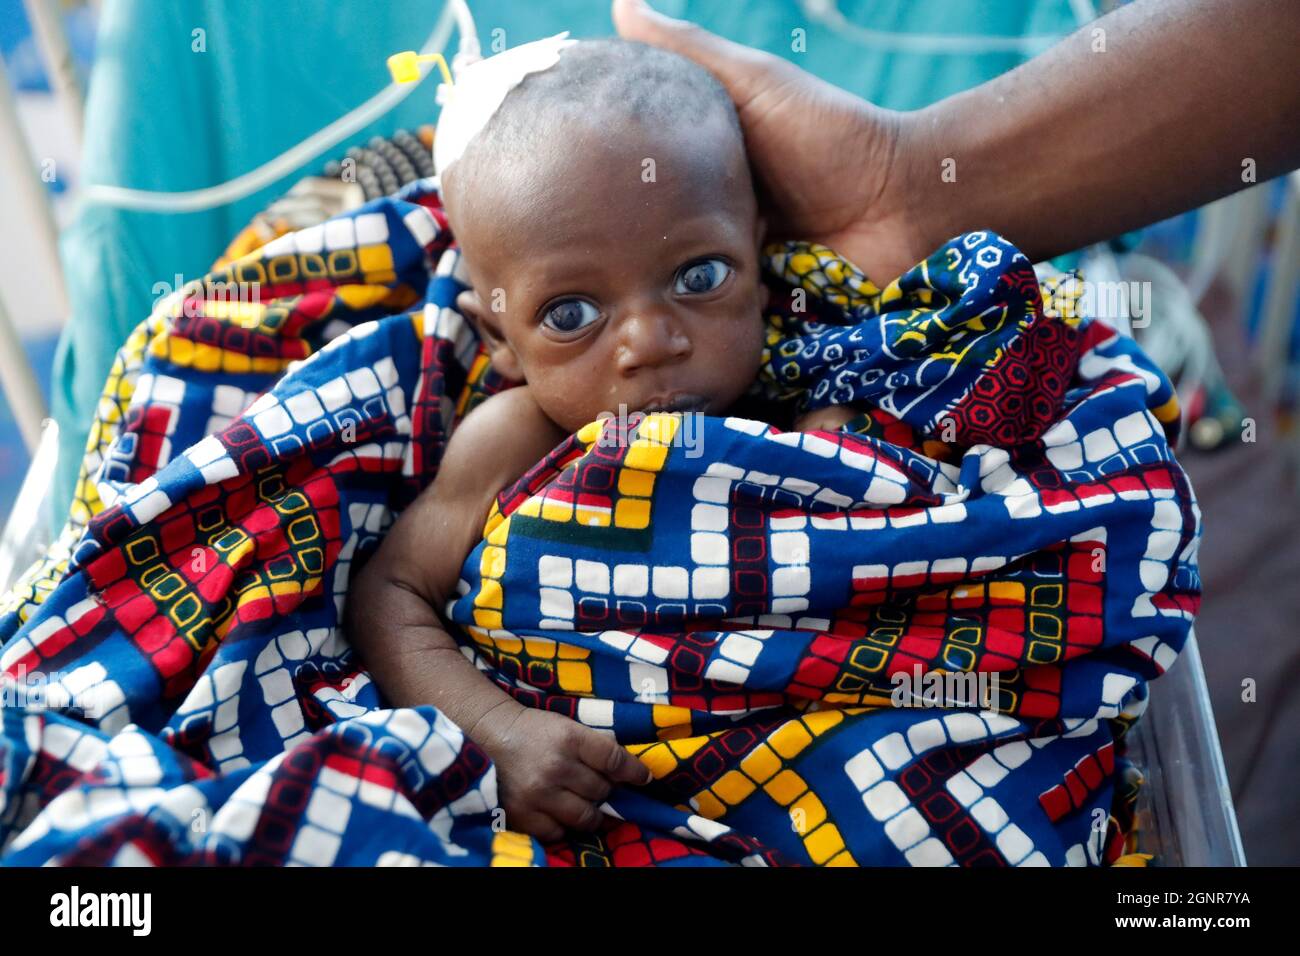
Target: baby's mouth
681	402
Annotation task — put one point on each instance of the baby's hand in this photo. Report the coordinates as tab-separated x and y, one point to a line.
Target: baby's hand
832	418
553	771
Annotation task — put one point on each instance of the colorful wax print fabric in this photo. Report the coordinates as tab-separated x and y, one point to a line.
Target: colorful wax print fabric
918	640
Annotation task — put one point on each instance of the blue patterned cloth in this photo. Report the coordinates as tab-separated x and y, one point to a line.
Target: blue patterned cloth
773	622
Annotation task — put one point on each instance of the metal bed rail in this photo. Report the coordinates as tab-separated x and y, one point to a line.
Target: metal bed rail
1185	813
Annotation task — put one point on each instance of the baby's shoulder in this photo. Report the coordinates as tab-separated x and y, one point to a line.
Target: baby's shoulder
496	443
489	449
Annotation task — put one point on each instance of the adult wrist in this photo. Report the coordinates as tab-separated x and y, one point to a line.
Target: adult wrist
898	225
923	210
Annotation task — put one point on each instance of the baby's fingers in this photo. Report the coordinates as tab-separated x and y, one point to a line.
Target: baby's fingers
573	811
603	754
586	782
535	823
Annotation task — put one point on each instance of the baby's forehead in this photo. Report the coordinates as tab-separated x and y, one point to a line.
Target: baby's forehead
606	97
584	156
593	189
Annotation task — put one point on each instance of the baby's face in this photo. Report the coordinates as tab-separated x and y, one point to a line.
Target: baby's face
621	268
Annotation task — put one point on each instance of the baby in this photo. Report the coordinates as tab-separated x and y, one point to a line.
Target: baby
611	235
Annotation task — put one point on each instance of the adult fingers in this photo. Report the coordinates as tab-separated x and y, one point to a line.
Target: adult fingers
743	70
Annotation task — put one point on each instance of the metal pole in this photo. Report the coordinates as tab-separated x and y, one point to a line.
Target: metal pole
47	23
18	382
31	210
1271	351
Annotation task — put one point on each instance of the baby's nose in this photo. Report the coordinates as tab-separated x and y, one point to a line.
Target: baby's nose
648	339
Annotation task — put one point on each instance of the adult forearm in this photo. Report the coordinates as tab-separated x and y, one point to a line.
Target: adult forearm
1175	103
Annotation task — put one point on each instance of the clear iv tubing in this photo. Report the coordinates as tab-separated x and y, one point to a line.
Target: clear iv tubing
195	200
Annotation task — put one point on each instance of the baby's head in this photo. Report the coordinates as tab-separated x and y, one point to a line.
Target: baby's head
610	230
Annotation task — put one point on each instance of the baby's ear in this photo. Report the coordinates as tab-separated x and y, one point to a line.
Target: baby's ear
488	323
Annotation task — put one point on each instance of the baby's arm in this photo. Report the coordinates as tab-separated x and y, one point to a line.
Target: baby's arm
552	771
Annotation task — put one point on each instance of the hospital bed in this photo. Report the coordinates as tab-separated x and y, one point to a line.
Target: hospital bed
1185	809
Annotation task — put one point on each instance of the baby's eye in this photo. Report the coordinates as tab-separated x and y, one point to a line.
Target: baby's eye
702	277
571	315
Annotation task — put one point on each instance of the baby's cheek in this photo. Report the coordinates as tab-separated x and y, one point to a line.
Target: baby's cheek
736	358
571	398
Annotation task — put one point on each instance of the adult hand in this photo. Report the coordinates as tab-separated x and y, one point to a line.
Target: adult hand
824	159
1154	109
